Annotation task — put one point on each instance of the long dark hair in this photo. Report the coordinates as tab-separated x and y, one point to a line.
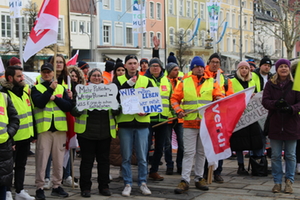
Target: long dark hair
64	73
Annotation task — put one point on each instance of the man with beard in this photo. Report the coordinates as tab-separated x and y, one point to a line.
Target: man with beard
13	84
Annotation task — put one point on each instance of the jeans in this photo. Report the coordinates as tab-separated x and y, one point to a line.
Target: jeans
160	137
137	137
255	153
2	192
91	149
290	159
168	145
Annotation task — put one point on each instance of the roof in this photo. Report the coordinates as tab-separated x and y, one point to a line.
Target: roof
82	6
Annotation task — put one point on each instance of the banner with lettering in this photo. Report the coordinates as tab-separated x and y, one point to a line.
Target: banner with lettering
15	8
141	100
138	16
213	8
97	96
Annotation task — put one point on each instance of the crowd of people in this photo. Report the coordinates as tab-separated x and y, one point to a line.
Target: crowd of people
45	112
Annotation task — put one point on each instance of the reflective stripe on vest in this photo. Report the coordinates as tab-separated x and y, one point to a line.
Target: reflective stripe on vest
236	85
23	107
43	117
190	95
80	124
142	82
3	119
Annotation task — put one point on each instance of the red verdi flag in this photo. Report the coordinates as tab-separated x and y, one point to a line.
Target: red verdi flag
73	60
219	119
45	29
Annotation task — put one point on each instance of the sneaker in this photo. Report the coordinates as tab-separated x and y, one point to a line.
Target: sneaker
23	195
169	171
59	192
127	190
144	189
86	193
155	176
288	187
105	192
201	184
8	195
218	179
68	182
182	187
47	185
39	194
276	188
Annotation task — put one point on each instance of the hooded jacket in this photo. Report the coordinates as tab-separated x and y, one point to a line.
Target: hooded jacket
261	80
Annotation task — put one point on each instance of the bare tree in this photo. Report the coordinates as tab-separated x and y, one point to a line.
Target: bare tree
182	48
286	14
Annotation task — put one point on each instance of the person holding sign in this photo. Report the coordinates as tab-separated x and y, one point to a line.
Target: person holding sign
133	129
250	137
193	92
156	74
94	129
283	104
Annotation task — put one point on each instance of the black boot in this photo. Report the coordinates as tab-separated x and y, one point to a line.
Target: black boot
241	170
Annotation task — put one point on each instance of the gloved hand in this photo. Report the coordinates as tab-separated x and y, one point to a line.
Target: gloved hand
287	109
281	103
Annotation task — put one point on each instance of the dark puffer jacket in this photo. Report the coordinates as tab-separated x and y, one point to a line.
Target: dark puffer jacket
6	152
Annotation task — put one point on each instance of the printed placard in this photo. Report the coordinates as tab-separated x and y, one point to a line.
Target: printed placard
97	96
141	100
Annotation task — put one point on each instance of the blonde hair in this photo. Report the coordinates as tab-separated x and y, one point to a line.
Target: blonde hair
247	78
275	78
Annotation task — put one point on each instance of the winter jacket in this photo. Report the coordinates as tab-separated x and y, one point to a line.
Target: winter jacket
283	126
6	152
259	84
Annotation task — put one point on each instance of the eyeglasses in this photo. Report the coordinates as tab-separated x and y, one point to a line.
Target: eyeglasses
215	62
155	65
96	76
59	62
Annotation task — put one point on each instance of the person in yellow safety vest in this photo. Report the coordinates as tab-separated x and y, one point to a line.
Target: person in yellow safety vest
14	86
50	102
262	74
94	129
172	70
251	136
193	92
213	70
133	129
156	74
9	126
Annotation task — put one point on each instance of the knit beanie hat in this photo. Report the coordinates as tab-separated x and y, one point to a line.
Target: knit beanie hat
170	66
243	63
119	60
155	61
251	63
214	55
282	61
143	60
14	61
265	60
119	64
197	61
172	58
82	65
109	66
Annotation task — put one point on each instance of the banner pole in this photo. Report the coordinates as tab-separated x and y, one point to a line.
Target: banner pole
54	61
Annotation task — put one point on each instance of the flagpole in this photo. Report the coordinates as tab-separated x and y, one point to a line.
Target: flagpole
54	61
21	41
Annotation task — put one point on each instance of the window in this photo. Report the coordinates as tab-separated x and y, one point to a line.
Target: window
188	36
251	24
151	34
129	40
151	10
181	7
245	22
228	45
17	26
232	2
88	28
118	5
82	27
196	39
106	34
233	21
228	19
128	5
5	26
202	11
234	45
239	21
196	11
158	11
106	4
73	26
144	40
188	9
118	35
221	45
221	17
251	5
60	30
171	36
171	6
246	46
158	37
202	38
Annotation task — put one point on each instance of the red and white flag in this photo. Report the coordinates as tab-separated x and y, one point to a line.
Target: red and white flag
45	29
73	60
219	119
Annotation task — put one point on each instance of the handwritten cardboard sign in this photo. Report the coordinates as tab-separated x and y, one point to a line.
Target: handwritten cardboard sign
99	97
141	100
253	112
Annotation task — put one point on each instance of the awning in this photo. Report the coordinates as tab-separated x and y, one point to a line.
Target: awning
234	57
115	56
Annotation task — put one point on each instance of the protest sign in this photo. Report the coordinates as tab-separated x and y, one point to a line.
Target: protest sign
141	100
99	97
253	112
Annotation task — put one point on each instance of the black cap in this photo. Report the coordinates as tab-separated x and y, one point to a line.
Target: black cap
265	60
48	66
143	60
130	57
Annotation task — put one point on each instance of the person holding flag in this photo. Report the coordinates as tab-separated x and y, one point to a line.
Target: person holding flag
193	92
283	104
